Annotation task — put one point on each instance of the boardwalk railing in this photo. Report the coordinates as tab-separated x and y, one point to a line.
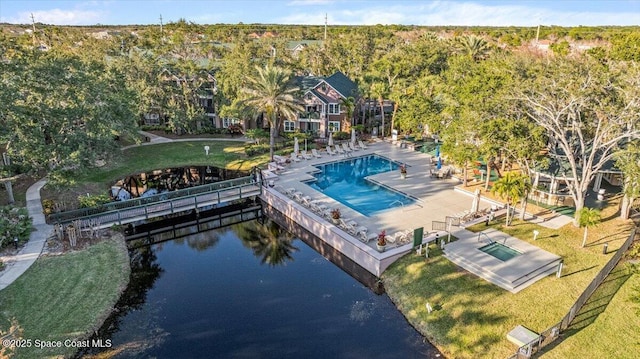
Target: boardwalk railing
164	203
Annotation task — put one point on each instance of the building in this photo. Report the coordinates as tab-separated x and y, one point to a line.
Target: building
322	99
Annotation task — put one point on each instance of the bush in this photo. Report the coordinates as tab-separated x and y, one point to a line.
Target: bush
253	150
15	223
341	135
90	201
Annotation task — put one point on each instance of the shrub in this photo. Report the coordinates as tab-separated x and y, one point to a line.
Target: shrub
15	223
89	201
253	150
341	135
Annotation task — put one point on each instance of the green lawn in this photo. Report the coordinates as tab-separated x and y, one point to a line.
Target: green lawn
226	154
473	317
607	327
64	297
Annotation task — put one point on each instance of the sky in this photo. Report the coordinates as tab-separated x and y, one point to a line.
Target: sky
338	12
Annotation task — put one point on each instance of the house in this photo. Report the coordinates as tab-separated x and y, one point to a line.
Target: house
322	99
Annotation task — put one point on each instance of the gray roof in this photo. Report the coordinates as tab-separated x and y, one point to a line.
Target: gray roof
343	84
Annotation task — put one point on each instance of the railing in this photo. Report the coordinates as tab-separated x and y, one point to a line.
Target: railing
166	203
484	234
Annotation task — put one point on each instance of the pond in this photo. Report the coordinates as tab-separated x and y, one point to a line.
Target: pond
170	179
252	290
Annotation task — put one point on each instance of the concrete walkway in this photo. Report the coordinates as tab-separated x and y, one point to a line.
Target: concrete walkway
155	139
17	264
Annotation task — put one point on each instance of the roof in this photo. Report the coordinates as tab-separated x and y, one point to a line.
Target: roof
306	83
342	84
559	167
291	45
319	96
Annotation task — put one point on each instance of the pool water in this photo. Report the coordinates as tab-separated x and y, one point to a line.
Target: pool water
500	251
345	181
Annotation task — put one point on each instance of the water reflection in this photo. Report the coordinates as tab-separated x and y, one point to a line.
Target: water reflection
268	241
223	302
170	179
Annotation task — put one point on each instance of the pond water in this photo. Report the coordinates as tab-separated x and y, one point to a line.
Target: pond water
252	290
170	179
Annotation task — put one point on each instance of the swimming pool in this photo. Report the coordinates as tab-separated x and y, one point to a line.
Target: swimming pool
345	181
500	251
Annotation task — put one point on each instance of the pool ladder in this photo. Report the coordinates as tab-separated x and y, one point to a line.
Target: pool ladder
504	239
398	201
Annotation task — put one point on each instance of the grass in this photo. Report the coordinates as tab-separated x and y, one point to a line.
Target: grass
226	154
473	317
607	327
64	297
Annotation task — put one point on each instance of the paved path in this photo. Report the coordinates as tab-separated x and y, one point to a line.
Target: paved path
155	139
17	264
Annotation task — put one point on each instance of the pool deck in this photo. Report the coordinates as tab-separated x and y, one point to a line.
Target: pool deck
436	199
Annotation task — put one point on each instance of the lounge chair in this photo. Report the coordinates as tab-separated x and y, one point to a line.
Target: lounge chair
282	161
330	151
274	167
318	207
365	237
362	145
349	226
294	157
339	150
305	155
346	148
315	153
398	237
352	146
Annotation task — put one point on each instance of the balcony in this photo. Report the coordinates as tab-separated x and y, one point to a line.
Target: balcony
311	116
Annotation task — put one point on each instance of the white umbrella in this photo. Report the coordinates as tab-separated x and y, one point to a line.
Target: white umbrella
476	201
353	136
330	143
296	146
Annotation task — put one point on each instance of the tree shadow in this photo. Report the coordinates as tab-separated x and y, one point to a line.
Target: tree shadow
594	306
578	271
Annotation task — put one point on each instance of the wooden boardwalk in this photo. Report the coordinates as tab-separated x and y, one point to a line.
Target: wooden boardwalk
159	207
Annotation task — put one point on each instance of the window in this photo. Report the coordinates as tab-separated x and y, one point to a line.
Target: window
334	108
289	126
334	126
226	122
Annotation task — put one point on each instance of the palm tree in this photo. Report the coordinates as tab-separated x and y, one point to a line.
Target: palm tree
272	93
379	91
472	46
588	217
349	105
512	187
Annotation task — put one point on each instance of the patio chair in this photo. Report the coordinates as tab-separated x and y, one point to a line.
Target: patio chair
305	155
349	226
352	147
330	151
346	148
294	157
282	161
365	237
274	167
318	207
315	153
339	150
362	145
398	237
